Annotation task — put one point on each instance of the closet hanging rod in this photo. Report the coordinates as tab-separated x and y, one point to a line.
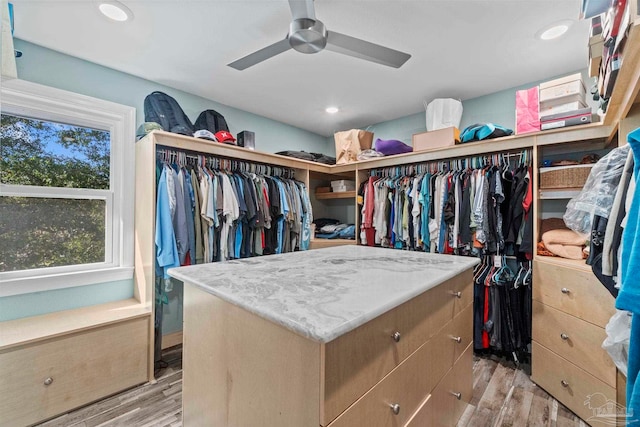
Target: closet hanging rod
186	157
523	156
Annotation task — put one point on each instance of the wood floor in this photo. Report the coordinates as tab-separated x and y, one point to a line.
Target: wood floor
502	396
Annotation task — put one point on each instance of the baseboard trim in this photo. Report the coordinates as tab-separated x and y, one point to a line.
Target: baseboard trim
172	339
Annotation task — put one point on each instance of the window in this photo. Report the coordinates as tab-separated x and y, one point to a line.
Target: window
66	189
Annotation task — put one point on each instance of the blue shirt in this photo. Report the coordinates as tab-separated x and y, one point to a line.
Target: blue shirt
166	248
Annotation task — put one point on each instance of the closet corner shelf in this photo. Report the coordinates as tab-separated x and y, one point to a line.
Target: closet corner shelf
340	195
559	193
578	264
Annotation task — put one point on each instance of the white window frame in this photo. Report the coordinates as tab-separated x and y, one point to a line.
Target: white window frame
23	98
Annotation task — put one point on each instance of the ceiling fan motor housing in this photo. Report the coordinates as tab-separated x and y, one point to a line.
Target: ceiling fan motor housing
307	35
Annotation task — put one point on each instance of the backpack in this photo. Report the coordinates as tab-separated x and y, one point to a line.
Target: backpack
480	131
164	110
212	121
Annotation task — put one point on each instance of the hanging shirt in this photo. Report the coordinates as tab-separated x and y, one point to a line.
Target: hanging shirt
166	249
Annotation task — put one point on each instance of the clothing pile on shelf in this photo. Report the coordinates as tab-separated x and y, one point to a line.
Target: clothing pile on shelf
205	215
558	240
502	306
329	228
465	211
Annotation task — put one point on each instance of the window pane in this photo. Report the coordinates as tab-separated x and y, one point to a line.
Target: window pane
36	152
38	232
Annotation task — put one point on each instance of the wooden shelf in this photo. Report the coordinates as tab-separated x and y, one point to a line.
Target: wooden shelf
327	243
578	264
37	328
627	85
340	195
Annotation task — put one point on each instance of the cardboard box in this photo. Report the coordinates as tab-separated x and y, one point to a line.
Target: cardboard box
562	108
594	66
572	118
574	89
434	139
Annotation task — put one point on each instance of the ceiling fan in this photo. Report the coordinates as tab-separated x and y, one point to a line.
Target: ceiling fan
309	35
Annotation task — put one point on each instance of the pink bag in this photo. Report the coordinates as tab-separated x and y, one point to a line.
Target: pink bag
527	111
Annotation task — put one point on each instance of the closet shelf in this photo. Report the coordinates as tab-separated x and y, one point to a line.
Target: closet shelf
559	193
578	264
627	86
327	243
340	195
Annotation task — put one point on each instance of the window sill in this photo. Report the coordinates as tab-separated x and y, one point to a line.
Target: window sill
49	282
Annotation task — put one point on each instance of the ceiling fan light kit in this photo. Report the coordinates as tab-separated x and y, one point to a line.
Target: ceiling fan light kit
309	35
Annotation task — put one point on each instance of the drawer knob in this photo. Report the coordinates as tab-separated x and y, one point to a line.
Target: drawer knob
48	381
395	408
457	294
564	336
564	383
565	290
457	339
396	336
457	395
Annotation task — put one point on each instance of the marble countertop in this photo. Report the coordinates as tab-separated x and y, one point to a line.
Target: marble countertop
322	294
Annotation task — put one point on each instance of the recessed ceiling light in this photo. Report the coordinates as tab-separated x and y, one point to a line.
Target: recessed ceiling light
332	110
115	10
553	31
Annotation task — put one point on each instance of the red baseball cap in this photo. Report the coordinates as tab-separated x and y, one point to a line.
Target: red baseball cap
224	136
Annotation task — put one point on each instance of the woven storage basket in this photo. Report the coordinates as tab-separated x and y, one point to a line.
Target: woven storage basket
564	176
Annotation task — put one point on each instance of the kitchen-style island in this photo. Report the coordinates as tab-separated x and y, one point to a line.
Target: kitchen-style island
342	337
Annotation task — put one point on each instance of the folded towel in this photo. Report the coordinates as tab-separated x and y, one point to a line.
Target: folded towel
564	243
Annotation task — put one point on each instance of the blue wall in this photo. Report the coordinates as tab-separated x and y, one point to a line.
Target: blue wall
25	305
51	68
498	107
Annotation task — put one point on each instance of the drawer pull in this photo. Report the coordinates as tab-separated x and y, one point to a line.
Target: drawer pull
564	336
457	294
564	383
48	381
457	339
395	408
565	290
457	395
396	336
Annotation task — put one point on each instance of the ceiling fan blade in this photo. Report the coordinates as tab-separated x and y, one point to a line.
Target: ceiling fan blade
302	9
261	55
347	45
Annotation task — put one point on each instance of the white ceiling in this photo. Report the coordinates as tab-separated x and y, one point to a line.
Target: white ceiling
460	49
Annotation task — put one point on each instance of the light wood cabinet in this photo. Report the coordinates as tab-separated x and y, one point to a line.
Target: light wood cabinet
44	379
243	370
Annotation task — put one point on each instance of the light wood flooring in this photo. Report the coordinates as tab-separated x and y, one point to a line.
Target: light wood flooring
502	396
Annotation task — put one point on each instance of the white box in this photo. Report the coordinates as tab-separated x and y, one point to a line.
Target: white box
342	188
574	90
562	108
343	182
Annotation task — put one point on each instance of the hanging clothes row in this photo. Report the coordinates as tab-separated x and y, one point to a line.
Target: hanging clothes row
477	205
212	209
502	306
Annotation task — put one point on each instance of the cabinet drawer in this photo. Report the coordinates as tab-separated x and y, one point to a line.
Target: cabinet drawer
574	339
462	331
450	397
406	386
581	392
358	360
463	290
83	367
574	291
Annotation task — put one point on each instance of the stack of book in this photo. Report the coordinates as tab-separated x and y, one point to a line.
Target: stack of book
562	103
